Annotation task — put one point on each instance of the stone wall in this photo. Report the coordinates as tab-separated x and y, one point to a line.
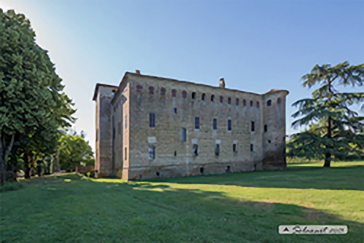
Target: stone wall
175	158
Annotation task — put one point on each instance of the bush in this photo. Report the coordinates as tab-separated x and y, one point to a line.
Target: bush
11	186
90	174
9	176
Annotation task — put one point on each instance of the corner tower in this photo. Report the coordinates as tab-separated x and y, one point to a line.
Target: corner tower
274	129
103	150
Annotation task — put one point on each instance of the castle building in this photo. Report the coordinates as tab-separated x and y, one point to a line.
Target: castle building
150	127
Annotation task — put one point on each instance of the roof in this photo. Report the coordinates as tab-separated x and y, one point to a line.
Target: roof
104	85
175	80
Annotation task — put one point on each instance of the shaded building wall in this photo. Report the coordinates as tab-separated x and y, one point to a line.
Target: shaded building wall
103	160
121	126
174	157
274	138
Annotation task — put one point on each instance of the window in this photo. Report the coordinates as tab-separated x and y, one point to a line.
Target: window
258	104
221	99
151	151
269	141
214	124
126	157
175	153
139	88
195	150
126	121
212	98
193	95
201	170
163	91
265	128
197	123
184	94
269	103
279	100
228	168
244	102
237	101
174	93
183	134
229	100
175	110
229	125
217	149
234	148
252	126
151	119
251	103
151	90
203	96
251	148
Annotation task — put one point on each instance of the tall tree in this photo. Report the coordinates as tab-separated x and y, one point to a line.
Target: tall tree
32	102
335	129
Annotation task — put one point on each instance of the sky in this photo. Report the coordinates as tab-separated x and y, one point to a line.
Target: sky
254	45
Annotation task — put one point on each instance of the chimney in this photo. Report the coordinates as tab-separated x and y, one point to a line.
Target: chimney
222	83
137	71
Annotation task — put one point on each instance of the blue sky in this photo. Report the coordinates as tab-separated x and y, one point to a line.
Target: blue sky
255	45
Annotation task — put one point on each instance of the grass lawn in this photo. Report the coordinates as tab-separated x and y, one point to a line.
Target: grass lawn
237	207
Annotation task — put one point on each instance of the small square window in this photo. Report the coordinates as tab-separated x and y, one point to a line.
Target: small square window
265	128
252	126
174	110
269	103
251	148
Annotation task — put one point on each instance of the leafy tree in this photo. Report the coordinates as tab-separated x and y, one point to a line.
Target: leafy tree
74	150
32	104
335	131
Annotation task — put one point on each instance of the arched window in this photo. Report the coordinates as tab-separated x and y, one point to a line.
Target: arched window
244	102
163	91
251	103
212	98
184	94
139	88
151	90
193	95
203	96
229	100
258	104
279	100
269	103
221	99
174	93
237	101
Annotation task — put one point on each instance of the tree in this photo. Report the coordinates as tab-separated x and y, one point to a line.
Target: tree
334	129
32	104
74	150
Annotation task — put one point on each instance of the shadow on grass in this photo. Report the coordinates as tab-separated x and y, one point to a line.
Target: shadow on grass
114	211
300	177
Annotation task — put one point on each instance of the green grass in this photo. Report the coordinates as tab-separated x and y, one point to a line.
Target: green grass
237	207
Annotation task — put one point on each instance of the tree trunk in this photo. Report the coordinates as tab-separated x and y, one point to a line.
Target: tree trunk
26	165
328	154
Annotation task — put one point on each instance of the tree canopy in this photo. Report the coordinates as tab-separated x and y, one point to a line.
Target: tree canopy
335	130
32	102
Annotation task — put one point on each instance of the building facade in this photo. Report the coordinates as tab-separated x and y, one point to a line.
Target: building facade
149	127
